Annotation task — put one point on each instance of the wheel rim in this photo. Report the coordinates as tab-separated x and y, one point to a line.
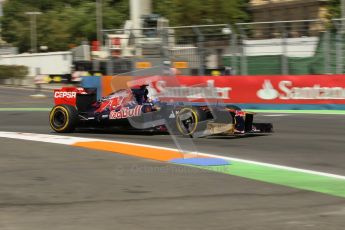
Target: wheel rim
59	119
187	121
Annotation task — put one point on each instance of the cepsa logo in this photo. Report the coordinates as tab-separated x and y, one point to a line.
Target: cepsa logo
65	95
287	91
126	113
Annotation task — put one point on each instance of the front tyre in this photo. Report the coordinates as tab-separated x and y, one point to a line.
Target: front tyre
188	121
63	118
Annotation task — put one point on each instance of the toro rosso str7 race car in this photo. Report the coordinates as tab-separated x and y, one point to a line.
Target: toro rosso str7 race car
129	109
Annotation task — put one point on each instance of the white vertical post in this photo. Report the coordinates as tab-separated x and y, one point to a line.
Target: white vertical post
139	8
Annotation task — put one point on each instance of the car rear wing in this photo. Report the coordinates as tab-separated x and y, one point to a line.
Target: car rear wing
71	95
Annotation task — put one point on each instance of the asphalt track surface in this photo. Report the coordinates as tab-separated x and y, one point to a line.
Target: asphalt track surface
50	186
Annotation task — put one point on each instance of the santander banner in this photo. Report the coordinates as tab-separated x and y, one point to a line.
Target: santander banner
309	89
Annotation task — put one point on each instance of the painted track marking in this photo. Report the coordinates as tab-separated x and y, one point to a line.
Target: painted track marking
331	184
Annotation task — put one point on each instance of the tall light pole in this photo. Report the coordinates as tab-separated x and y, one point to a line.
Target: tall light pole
99	16
33	29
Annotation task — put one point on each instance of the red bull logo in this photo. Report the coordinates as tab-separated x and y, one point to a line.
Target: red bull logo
126	113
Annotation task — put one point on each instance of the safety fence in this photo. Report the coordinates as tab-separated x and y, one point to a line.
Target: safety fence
192	50
261	48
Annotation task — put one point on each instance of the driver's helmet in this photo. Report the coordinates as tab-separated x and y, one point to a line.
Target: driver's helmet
141	94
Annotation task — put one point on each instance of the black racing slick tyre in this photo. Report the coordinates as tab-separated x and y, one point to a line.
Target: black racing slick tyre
188	121
63	118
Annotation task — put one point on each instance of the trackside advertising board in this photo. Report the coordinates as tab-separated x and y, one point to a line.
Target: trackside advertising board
256	92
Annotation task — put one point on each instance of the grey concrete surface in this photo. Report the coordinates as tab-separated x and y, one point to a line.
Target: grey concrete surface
47	186
44	186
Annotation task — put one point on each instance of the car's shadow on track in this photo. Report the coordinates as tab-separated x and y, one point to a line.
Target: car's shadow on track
157	133
120	132
237	136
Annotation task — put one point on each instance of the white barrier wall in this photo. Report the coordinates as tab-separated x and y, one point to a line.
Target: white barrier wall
41	63
291	47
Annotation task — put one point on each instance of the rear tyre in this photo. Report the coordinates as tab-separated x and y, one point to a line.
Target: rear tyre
63	118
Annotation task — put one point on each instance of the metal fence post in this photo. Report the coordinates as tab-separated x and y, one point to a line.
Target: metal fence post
233	48
96	65
200	38
326	52
339	49
285	61
244	64
165	44
110	67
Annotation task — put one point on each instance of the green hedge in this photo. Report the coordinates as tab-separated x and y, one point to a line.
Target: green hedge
13	71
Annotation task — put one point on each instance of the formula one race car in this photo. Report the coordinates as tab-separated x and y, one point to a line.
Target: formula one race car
132	109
